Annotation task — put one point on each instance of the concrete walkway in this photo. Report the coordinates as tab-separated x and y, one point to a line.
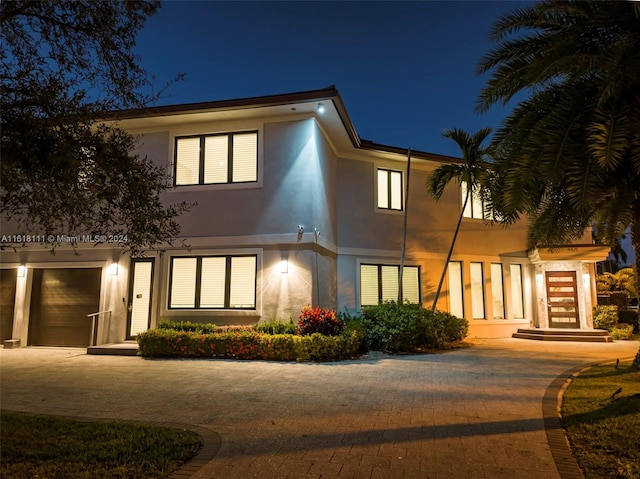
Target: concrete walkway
470	413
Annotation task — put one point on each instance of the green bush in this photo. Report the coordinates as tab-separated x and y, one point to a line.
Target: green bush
244	344
629	317
614	298
188	326
397	327
605	317
622	331
276	327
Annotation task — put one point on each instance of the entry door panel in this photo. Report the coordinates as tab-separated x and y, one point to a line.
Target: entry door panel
562	299
7	301
139	297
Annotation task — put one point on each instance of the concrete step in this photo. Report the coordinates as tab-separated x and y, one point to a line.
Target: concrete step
126	348
579	335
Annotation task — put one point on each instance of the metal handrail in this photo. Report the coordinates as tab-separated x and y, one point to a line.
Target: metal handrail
94	326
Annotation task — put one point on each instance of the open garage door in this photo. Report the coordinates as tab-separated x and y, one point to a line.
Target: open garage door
61	299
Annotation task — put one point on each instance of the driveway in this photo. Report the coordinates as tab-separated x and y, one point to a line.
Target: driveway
471	413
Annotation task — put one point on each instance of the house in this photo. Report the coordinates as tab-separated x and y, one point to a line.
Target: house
293	209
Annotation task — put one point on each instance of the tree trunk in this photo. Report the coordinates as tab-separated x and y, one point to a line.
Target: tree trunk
635	244
453	243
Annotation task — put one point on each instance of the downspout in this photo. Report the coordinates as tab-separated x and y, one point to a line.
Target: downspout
404	228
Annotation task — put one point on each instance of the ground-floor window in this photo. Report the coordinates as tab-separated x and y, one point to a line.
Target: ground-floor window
456	289
213	282
477	290
517	291
379	283
497	291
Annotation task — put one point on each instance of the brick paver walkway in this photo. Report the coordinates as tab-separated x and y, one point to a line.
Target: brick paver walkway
470	413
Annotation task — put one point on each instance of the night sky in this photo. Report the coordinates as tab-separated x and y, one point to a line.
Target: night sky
405	70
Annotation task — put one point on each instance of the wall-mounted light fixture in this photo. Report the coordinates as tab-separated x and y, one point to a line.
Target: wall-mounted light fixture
113	269
22	271
283	267
586	278
320	108
539	278
300	229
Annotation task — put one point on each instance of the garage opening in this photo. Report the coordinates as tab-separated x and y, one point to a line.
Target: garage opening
61	299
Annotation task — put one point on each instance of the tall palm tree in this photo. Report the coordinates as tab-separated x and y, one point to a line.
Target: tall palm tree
471	170
569	153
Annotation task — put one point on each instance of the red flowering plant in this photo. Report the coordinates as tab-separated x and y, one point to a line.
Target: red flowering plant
319	320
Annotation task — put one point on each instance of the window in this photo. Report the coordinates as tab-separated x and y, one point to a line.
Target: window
389	189
475	203
497	291
215	159
517	291
477	290
456	297
379	283
213	282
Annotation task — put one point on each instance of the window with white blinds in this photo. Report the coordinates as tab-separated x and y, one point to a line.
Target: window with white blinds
456	289
477	290
475	204
379	283
213	282
216	159
389	189
497	291
517	290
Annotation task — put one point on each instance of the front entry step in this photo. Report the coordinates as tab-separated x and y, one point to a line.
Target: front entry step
126	348
580	335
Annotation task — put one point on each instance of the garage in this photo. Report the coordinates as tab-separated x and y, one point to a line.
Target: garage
7	301
61	299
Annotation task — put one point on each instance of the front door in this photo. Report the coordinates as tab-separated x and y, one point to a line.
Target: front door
562	299
139	308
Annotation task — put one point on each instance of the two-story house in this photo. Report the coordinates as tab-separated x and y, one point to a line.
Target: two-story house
293	209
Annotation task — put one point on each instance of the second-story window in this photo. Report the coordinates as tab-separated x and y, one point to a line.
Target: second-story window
215	159
389	189
475	204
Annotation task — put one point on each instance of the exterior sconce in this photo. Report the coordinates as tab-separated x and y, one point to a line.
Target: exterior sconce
585	279
300	229
22	271
113	269
320	108
283	267
539	278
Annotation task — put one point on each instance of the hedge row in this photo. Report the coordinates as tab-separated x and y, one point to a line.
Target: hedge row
245	344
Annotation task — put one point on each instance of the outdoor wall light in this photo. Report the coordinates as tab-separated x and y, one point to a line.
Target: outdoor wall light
539	278
283	267
113	269
300	229
586	278
22	270
320	108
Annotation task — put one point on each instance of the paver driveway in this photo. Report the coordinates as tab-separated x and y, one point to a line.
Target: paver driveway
473	412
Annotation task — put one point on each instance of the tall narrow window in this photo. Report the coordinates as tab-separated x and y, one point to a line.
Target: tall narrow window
497	291
517	293
456	296
477	290
211	159
213	282
389	189
475	205
379	283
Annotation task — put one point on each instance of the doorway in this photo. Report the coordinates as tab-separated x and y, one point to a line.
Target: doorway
140	284
562	299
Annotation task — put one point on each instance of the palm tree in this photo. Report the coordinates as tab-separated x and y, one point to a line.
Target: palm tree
569	153
471	171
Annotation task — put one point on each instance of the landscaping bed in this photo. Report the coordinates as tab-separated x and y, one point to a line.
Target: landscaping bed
601	414
319	335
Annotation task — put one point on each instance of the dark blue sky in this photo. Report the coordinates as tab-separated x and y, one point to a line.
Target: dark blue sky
405	70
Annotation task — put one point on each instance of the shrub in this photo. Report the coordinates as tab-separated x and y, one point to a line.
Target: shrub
629	317
188	326
319	320
245	344
622	331
397	327
276	327
605	317
614	298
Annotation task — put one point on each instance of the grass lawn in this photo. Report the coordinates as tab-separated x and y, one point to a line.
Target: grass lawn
603	423
48	447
